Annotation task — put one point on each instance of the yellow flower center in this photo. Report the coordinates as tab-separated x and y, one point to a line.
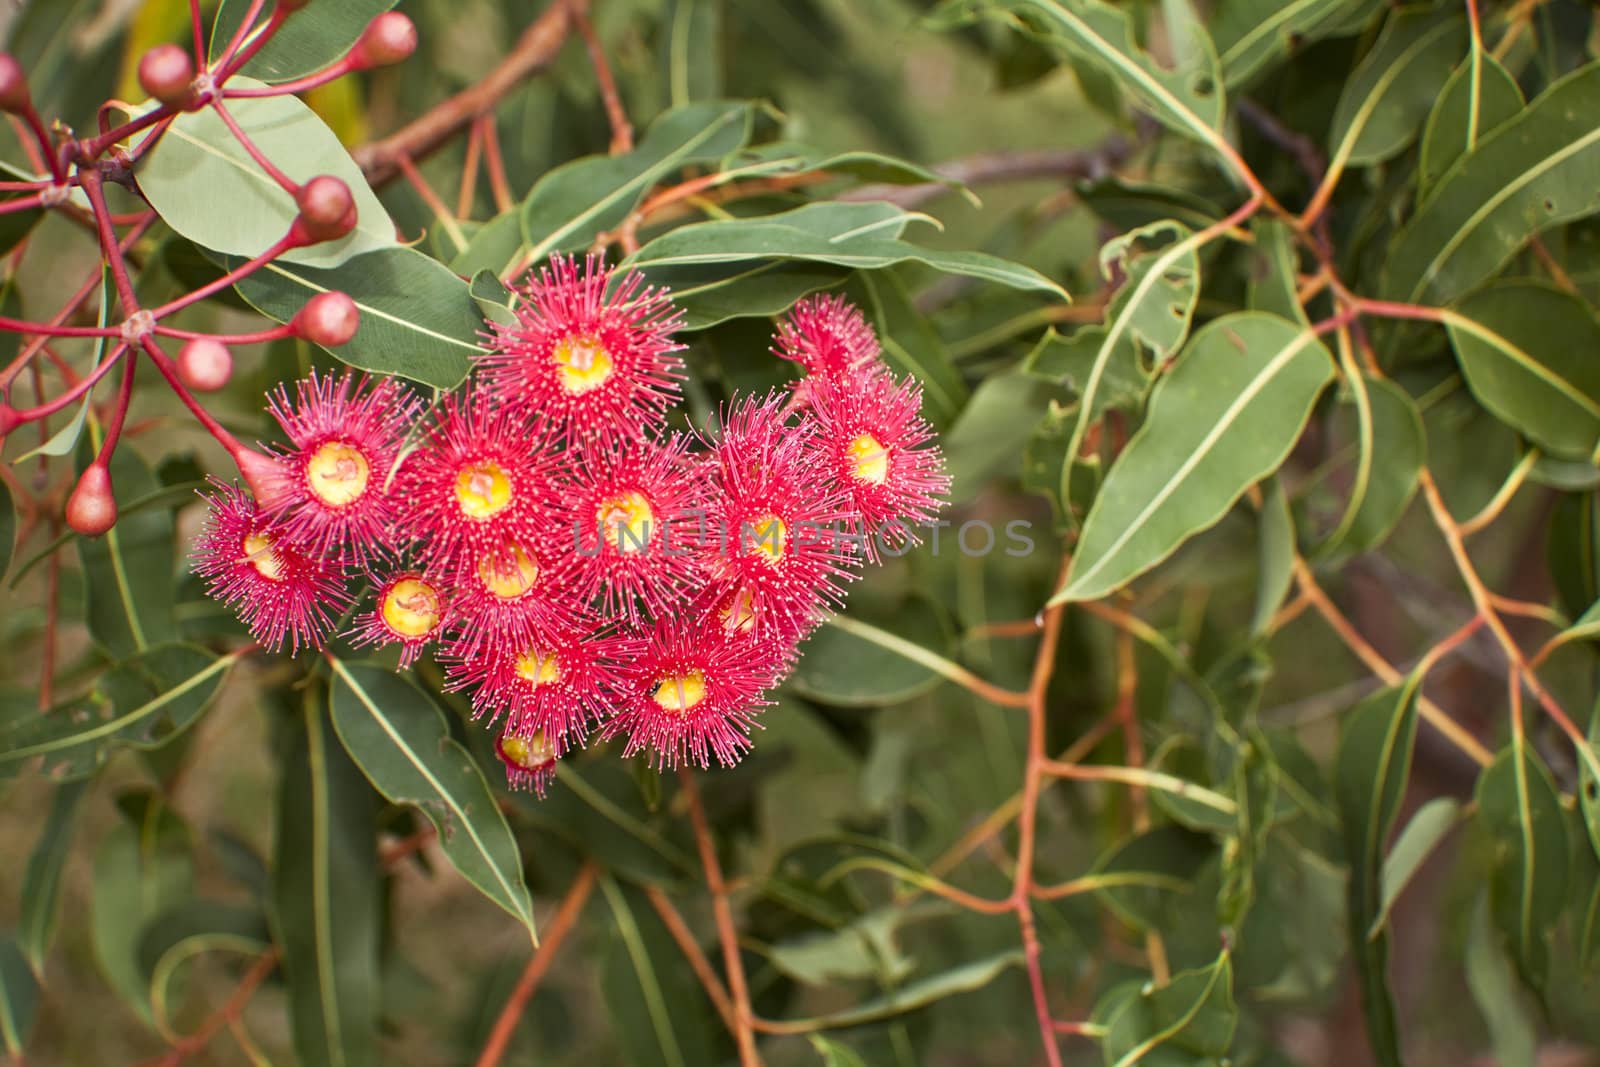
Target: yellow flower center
482	489
680	692
528	753
582	364
869	459
739	612
626	521
337	474
411	608
263	557
508	573
538	668
768	537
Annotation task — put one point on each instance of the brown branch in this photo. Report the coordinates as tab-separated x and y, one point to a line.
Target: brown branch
621	129
517	1003
226	1015
739	992
534	51
691	951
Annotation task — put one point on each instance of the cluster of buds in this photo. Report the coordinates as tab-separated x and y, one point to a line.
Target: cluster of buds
577	566
178	82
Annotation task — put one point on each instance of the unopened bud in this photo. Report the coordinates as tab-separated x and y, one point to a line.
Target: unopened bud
205	365
92	509
13	85
327	210
328	319
263	474
389	38
167	73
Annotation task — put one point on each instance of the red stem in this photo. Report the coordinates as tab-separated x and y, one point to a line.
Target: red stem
278	247
92	149
289	185
299	85
233	57
197	25
119	414
45	330
276	333
50	407
31	116
169	371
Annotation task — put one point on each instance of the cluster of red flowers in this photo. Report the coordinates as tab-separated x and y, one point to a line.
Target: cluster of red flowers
579	567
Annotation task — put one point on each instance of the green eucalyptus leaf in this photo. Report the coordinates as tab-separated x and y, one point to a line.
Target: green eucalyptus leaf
1187	98
692	50
142	702
1221	420
418	320
574	202
1253	35
861	236
41	882
401	741
19	999
1192	1014
1589	784
205	185
312	39
325	900
1493	983
1391	450
1275	550
65	439
1428	827
1390	94
910	343
187	930
598	810
1520	808
1526	175
1371	768
835	1054
853	663
8	527
143	868
712	295
1524	348
1479	96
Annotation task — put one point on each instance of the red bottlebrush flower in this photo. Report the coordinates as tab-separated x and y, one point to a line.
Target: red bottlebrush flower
826	335
482	478
635	516
876	445
409	611
694	692
249	563
564	679
596	366
785	530
345	433
529	760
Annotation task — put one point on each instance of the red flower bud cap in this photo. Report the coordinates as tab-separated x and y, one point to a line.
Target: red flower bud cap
14	96
92	509
327	209
205	365
328	319
167	73
389	38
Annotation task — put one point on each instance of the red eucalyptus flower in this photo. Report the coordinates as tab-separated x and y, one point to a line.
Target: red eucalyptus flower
826	335
250	563
332	495
594	365
481	479
636	518
693	692
876	446
785	527
529	760
409	611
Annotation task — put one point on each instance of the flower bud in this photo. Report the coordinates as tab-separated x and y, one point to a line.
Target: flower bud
167	73
327	210
205	365
13	85
91	509
263	474
389	38
328	319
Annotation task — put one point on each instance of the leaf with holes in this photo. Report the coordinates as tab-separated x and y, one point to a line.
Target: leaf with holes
142	703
